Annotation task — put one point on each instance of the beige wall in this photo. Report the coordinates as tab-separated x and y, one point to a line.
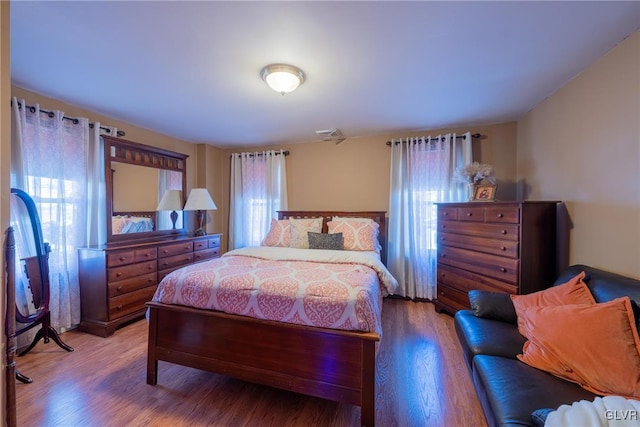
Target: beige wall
355	174
5	163
582	146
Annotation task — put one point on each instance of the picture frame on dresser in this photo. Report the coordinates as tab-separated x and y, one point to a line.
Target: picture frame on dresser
484	192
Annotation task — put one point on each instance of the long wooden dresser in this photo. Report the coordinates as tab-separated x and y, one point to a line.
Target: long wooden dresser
494	246
117	281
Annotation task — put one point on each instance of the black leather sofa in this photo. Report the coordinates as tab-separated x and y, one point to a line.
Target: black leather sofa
509	390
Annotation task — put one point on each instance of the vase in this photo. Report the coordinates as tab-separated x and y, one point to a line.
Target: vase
471	189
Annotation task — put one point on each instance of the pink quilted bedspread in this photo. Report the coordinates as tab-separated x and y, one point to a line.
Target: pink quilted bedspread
324	294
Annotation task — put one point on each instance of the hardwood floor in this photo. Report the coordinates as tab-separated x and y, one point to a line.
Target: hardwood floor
421	380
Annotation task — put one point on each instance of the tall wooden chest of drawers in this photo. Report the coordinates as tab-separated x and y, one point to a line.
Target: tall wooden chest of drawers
494	246
117	281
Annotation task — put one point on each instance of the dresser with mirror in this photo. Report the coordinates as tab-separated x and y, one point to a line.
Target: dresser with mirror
143	244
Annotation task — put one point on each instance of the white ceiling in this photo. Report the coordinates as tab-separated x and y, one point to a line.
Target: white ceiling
191	69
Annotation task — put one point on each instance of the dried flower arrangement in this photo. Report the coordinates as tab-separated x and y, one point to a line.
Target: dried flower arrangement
474	172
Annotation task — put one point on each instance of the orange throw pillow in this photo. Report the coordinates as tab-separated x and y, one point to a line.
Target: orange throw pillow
596	346
574	291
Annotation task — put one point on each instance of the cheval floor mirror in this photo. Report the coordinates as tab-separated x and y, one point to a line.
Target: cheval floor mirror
27	290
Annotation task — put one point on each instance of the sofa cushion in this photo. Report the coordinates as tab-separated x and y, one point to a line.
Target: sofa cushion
486	336
608	359
604	286
509	390
492	305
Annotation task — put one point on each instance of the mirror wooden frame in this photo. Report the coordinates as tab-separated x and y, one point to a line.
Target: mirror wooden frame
123	151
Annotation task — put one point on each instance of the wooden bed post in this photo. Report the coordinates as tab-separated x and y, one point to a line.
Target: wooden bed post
152	361
368	389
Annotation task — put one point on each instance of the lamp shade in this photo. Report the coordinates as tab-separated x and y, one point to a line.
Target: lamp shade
282	78
171	201
199	200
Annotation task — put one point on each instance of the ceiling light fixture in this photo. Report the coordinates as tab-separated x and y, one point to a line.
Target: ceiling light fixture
282	78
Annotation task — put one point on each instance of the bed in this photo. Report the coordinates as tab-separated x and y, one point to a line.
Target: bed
334	364
133	222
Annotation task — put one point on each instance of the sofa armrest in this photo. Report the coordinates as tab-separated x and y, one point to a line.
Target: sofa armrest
493	305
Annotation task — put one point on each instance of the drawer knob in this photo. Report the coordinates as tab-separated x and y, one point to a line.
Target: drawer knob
122	258
504	270
118	274
445	213
147	254
500	215
150	267
443	275
469	214
442	293
502	248
443	255
119	288
119	307
503	231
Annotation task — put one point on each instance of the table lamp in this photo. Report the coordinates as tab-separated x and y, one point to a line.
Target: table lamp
200	201
171	201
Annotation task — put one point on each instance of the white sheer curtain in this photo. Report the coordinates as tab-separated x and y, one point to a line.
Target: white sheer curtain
258	191
96	187
59	163
421	175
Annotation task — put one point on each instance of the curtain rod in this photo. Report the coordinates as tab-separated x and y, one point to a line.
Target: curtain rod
73	120
277	153
473	136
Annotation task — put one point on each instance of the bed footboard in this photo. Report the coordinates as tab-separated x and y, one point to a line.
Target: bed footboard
330	364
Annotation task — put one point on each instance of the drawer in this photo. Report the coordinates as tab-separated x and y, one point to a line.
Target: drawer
128	271
447	213
115	259
508	248
129	285
466	281
175	261
131	302
471	214
503	269
214	242
206	254
199	245
508	214
174	249
495	231
452	298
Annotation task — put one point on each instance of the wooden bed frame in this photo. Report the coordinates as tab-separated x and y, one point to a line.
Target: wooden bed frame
326	363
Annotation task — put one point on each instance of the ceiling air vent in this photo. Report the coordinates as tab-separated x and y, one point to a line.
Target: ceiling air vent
331	135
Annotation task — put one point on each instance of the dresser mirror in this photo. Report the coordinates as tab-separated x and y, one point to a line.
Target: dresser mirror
137	177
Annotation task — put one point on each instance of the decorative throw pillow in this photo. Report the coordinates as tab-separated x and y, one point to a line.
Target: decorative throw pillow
279	234
326	241
574	291
299	229
596	346
360	234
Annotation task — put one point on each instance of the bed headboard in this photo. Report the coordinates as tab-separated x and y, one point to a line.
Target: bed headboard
377	216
